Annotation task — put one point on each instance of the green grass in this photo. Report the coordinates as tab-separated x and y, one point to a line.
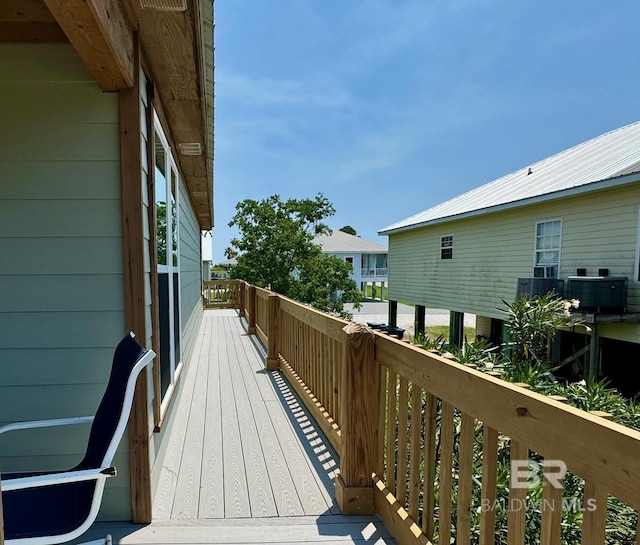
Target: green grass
385	292
434	331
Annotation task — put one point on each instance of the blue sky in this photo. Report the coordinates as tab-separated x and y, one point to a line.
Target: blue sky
390	107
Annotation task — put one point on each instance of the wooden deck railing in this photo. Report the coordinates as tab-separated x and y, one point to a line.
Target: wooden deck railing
220	294
422	439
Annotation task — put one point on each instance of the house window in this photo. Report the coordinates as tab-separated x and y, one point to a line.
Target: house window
167	185
349	260
446	247
547	249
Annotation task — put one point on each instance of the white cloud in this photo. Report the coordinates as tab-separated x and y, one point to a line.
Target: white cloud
250	91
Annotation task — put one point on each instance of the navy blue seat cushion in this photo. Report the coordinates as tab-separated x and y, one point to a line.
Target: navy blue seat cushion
56	510
53	510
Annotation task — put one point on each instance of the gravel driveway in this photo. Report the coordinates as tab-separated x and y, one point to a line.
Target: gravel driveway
378	311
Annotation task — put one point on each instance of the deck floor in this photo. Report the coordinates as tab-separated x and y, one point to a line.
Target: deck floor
245	462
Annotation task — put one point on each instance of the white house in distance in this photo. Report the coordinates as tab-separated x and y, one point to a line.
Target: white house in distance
570	221
207	254
369	259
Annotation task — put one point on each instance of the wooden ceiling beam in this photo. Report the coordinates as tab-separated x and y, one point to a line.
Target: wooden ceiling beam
25	11
31	32
101	34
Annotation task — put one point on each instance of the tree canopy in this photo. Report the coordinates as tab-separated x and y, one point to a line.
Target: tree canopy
275	250
349	230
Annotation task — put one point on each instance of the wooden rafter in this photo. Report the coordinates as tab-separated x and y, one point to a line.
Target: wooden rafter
100	32
28	21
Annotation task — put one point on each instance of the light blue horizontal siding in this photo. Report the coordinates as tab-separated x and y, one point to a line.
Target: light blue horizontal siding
53	218
44	366
190	271
63	293
61	271
59	256
64	180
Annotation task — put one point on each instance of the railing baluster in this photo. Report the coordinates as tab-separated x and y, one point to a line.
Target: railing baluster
392	411
318	364
428	503
594	521
551	509
384	377
489	481
403	419
465	480
517	498
415	451
446	467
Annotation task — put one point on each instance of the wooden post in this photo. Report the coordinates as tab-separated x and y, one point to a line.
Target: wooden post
456	328
359	422
419	319
393	313
272	361
251	307
133	244
594	352
242	291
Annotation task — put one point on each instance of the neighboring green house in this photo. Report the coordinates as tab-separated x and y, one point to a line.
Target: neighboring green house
105	126
575	214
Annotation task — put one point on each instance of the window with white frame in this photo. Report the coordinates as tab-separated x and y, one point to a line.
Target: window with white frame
446	247
546	259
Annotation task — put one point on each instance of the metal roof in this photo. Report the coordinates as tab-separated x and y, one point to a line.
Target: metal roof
613	154
338	241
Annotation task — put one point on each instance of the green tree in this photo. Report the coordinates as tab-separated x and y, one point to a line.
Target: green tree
348	229
324	282
275	250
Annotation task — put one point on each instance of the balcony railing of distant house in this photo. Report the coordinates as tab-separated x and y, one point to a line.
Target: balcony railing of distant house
374	272
420	436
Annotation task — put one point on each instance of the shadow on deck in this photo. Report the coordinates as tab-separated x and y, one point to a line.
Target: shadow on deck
245	462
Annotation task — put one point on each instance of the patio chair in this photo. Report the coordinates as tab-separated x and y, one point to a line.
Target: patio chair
42	508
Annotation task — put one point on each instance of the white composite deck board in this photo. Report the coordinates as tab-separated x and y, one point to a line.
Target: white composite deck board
260	494
236	492
167	482
211	503
335	530
187	495
245	462
284	490
280	401
314	484
254	361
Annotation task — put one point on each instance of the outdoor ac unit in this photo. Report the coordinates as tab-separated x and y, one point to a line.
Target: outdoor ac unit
603	294
531	287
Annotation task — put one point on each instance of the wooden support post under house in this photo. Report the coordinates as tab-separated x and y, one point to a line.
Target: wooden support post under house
393	313
420	312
